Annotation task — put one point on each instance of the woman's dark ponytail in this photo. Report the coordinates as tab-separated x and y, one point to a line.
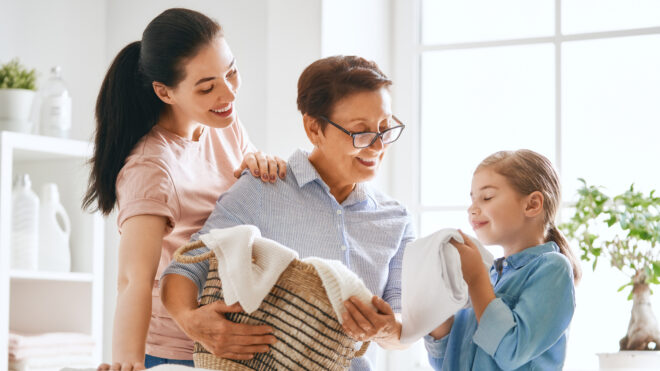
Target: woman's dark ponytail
127	106
126	109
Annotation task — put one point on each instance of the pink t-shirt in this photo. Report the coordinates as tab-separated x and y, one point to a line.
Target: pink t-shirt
180	179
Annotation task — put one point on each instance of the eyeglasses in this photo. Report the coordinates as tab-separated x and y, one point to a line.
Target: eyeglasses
365	139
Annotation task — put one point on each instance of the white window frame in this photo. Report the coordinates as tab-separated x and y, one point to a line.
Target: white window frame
407	50
406	58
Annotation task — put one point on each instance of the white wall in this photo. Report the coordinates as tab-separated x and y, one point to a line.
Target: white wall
69	33
294	41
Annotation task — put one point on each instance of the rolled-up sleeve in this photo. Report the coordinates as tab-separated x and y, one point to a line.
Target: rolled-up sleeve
436	350
514	335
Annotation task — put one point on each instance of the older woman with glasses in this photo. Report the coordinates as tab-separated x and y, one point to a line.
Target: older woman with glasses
323	208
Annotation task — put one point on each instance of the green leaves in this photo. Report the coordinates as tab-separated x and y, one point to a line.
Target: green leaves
625	229
13	75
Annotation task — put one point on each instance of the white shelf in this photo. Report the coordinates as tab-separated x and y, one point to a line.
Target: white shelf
24	275
28	147
74	300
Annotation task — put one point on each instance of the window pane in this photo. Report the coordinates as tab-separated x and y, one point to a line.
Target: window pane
608	15
611	113
479	101
484	20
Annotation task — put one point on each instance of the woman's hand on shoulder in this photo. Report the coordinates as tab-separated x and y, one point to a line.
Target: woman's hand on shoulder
122	366
223	338
263	166
364	323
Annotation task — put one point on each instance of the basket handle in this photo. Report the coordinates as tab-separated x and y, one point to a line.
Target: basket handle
363	349
178	254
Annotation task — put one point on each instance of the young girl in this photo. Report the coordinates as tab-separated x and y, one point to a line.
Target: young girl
167	143
521	309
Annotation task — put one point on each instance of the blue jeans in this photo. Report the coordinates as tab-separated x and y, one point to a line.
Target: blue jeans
151	361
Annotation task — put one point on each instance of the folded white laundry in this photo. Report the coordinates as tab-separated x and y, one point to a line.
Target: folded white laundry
340	283
55	362
432	285
19	340
248	264
23	346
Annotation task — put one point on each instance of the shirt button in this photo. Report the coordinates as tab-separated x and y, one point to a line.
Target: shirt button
338	212
343	247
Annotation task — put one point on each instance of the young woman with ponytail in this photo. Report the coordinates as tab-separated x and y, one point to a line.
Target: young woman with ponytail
521	309
168	143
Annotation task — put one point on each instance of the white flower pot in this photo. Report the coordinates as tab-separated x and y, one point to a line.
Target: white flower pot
15	108
633	360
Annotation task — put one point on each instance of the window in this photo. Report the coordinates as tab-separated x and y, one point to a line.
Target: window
577	81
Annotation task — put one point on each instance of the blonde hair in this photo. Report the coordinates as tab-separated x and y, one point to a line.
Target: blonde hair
528	171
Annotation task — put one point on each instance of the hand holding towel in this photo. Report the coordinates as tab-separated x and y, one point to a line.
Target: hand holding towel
340	283
432	285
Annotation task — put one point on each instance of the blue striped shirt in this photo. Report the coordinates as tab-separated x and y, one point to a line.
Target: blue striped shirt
367	232
524	328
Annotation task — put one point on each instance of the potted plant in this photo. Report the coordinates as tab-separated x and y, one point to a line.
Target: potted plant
625	230
17	91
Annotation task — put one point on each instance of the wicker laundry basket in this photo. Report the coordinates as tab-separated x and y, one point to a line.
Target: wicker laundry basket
297	308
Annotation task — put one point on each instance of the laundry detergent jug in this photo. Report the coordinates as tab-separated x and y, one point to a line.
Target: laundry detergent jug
54	232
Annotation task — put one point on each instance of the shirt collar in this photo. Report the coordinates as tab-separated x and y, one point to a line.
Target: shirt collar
519	260
304	173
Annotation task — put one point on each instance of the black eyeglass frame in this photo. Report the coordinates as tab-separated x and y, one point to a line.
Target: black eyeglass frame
377	134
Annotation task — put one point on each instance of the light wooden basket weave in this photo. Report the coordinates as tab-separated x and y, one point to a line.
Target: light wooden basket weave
297	308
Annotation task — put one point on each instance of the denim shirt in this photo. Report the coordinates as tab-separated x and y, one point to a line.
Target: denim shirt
367	232
524	328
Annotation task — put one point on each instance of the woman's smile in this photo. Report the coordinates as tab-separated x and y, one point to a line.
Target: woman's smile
371	163
223	112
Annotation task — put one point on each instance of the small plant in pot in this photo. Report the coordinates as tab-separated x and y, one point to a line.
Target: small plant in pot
624	229
17	91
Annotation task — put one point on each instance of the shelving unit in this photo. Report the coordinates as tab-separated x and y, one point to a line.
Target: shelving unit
36	301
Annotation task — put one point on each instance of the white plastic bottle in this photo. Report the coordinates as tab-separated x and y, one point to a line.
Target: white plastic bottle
24	225
54	231
55	106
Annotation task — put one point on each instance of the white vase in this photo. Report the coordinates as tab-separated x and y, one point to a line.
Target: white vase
633	360
15	108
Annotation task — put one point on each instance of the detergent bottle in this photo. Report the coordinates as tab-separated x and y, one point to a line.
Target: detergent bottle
24	225
54	232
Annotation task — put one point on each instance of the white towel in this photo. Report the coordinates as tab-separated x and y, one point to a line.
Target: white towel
432	285
248	264
55	362
340	283
23	346
19	340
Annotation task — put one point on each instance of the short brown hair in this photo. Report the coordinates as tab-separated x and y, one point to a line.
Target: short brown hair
328	80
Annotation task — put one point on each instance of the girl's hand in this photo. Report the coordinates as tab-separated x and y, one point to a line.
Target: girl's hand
471	262
125	366
224	338
363	323
475	275
261	165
